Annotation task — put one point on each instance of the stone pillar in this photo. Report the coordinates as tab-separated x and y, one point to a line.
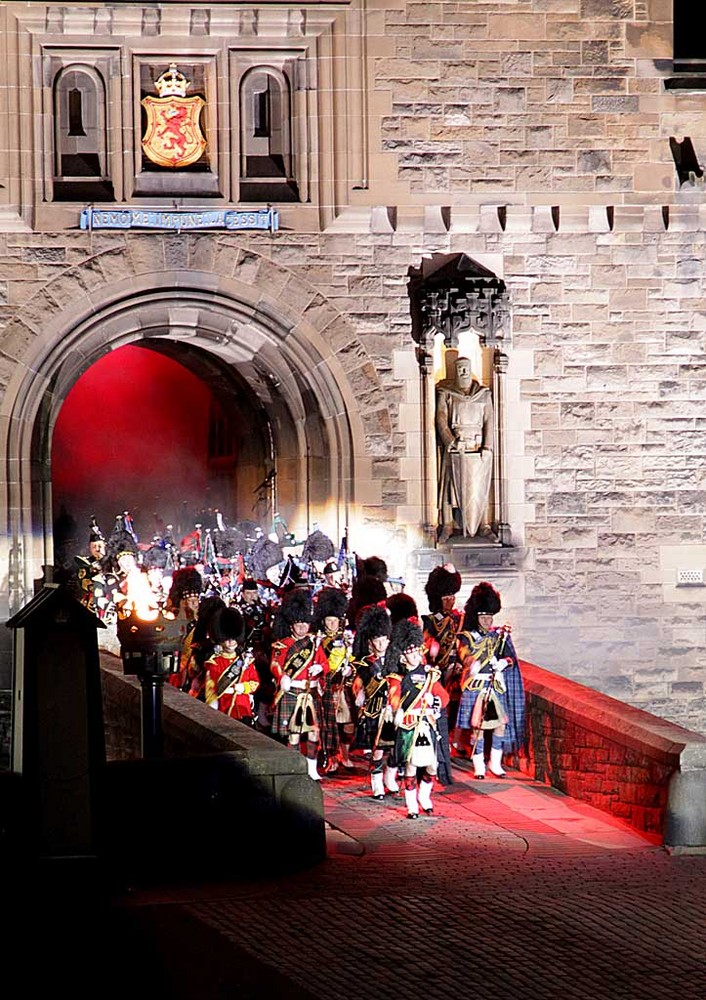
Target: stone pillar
499	479
427	430
427	415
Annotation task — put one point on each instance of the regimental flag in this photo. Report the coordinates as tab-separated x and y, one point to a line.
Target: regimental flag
173	136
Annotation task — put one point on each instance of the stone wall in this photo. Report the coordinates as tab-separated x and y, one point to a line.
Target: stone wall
219	782
533	137
647	772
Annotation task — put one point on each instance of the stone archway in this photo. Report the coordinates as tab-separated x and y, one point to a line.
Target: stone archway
295	351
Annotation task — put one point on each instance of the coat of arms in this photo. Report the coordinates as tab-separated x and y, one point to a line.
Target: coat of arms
173	135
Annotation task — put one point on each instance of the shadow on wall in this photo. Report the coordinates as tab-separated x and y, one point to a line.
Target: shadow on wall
193	818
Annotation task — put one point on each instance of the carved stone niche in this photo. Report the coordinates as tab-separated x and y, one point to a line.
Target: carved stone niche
450	294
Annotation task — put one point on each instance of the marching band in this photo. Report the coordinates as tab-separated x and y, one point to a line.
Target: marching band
312	649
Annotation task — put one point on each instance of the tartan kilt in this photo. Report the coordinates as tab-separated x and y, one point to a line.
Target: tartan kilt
349	698
465	708
367	733
329	728
405	745
285	707
467	704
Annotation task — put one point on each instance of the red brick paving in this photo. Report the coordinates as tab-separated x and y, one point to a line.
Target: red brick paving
510	891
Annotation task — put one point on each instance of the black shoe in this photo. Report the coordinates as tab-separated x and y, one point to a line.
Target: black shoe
412	815
479	777
429	812
379	798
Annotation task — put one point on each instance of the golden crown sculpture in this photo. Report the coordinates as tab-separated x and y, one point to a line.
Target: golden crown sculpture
172	83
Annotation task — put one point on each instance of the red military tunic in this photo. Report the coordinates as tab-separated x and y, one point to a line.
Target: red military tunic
236	699
296	658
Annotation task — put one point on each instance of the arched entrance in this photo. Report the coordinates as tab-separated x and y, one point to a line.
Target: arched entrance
224	331
165	431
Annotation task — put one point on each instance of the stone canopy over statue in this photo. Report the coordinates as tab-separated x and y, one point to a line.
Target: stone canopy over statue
464	423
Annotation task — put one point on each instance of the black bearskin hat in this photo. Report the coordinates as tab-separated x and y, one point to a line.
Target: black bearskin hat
186	582
402	606
330	603
264	555
405	635
121	541
209	610
484	599
374	621
375	566
366	590
227	623
318	547
156	557
295	607
442	581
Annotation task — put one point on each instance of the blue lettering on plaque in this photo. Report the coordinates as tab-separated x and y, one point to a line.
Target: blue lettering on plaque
154	218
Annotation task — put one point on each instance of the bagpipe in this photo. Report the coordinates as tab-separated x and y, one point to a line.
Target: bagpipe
485	702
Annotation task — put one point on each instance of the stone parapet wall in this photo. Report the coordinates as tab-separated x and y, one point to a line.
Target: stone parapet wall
221	787
681	212
639	768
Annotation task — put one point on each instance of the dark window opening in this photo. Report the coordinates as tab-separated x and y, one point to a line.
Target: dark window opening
80	137
86	190
265	166
80	165
261	114
268	191
266	156
75	113
689	38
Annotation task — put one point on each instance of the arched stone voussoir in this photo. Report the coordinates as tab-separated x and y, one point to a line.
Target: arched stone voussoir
34	313
251	289
320	312
76	282
16	341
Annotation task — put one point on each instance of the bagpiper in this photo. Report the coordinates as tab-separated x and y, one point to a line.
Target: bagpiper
420	701
373	689
493	696
258	639
441	628
183	603
338	702
299	667
203	644
231	677
92	582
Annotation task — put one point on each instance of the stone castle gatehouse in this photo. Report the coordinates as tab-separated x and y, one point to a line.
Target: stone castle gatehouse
556	148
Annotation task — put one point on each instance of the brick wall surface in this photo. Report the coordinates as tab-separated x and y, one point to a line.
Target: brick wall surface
600	751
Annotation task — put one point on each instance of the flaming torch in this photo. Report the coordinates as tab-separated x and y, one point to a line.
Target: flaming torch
150	645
